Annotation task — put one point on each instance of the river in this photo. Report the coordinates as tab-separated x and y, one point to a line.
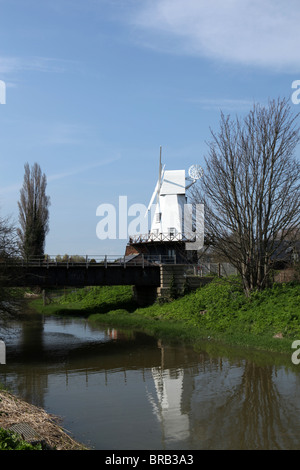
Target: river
126	390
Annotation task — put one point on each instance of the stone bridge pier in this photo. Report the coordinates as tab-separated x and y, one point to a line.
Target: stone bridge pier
169	274
172	276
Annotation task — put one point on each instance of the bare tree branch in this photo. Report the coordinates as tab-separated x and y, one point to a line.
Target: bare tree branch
251	189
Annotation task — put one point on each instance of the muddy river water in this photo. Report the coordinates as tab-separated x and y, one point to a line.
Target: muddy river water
126	390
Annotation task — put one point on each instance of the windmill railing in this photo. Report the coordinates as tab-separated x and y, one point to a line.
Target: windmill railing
162	237
89	261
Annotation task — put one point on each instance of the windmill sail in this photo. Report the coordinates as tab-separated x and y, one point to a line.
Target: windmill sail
159	176
157	189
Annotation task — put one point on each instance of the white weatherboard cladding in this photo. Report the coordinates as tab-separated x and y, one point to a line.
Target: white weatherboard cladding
171	208
168	216
173	182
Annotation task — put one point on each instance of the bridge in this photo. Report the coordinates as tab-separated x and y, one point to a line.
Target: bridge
150	275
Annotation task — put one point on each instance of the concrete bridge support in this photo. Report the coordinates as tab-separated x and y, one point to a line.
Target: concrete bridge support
172	277
144	295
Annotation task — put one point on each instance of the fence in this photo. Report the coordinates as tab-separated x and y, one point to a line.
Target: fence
171	236
90	260
200	269
219	269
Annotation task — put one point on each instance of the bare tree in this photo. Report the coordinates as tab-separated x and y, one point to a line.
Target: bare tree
33	212
8	239
251	190
8	251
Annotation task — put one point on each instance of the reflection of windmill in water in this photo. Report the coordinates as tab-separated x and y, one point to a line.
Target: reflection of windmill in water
167	408
169	231
167	402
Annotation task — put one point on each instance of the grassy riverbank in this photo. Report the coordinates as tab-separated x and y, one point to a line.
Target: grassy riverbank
268	320
218	313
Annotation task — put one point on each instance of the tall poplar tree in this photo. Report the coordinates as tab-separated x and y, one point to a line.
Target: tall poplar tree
33	212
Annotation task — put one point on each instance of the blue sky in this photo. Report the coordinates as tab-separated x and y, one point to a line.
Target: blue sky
95	87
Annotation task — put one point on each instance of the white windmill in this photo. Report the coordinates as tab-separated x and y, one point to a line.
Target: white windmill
168	215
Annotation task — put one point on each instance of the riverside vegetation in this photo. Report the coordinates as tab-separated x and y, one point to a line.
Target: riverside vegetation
268	319
219	313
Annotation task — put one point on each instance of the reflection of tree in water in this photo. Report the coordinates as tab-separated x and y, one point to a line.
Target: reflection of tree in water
260	417
252	414
267	420
201	402
26	348
222	404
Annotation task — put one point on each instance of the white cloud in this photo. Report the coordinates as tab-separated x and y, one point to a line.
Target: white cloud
250	32
11	65
64	133
8	65
10	189
64	174
81	169
224	104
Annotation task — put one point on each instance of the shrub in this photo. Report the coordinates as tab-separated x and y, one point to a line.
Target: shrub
12	441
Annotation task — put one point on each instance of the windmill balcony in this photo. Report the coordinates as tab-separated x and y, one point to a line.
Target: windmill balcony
162	237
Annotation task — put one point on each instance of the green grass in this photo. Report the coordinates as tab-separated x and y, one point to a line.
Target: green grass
85	301
217	311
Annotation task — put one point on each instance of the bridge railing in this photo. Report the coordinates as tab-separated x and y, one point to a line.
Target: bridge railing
91	260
